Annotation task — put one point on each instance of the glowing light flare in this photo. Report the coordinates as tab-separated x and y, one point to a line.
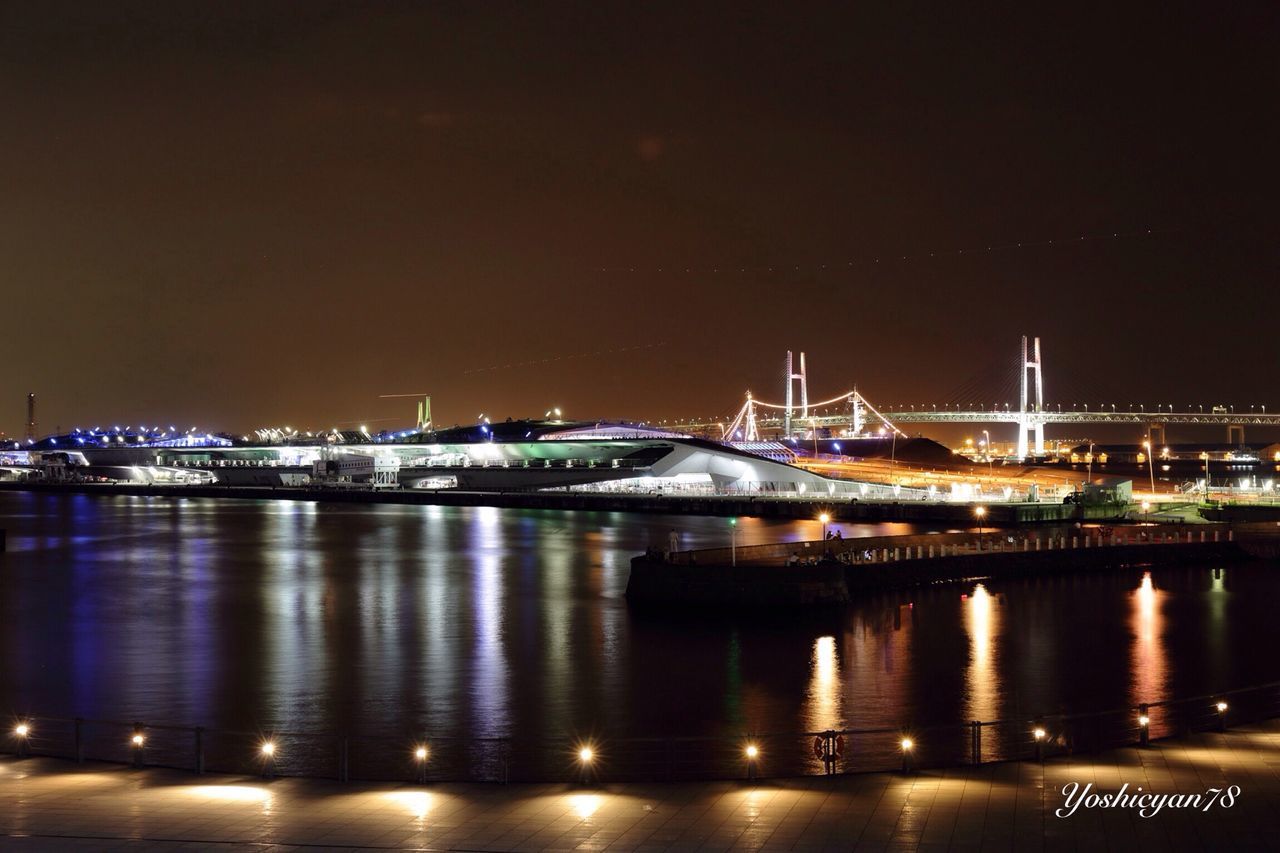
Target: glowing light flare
230	793
585	805
416	803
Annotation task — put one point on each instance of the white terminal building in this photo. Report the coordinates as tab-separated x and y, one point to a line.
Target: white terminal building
510	456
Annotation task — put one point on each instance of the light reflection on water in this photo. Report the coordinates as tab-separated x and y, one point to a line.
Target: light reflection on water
1148	665
478	622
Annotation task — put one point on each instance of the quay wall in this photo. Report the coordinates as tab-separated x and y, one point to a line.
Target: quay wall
655	581
998	514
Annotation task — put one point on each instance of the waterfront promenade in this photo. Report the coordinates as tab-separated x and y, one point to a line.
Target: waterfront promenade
49	804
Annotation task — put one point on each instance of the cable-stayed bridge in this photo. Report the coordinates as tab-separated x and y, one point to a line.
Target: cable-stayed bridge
851	414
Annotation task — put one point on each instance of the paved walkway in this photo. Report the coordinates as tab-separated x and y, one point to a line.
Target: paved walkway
48	804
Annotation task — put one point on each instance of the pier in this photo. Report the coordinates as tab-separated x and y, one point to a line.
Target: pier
833	571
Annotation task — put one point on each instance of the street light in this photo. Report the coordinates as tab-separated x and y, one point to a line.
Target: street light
1151	464
990	471
733	541
824	518
980	512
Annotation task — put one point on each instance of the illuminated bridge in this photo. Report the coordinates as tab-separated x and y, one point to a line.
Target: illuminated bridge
851	414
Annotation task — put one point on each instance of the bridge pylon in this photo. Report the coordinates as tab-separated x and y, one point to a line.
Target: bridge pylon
792	376
1030	425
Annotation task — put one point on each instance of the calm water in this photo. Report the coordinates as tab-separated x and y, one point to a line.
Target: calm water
486	622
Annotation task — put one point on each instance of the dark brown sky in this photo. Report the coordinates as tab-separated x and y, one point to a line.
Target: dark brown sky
238	214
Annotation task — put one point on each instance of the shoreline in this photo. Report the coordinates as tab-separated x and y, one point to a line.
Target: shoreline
708	505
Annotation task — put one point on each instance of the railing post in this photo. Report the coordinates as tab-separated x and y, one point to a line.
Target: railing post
79	740
199	750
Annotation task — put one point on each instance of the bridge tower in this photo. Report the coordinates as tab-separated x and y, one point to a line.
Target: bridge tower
792	376
1028	420
31	417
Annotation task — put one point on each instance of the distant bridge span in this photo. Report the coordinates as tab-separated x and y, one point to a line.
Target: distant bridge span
853	413
1068	417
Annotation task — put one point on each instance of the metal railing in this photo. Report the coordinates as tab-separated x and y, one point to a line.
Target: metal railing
422	758
923	546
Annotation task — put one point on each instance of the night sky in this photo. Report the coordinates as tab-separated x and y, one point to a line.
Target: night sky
247	214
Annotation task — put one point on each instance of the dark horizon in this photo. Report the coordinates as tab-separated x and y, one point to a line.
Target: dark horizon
253	214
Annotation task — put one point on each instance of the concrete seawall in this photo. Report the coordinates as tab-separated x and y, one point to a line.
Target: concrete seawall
716	505
654	581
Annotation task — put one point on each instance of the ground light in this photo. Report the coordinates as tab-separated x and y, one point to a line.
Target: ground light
1144	726
1222	715
20	733
137	740
752	752
586	757
420	755
907	745
1039	735
268	751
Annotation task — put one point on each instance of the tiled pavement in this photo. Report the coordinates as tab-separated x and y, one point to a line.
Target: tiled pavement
48	804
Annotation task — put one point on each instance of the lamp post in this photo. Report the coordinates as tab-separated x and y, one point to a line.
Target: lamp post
1151	464
980	512
733	541
824	518
990	470
1206	475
